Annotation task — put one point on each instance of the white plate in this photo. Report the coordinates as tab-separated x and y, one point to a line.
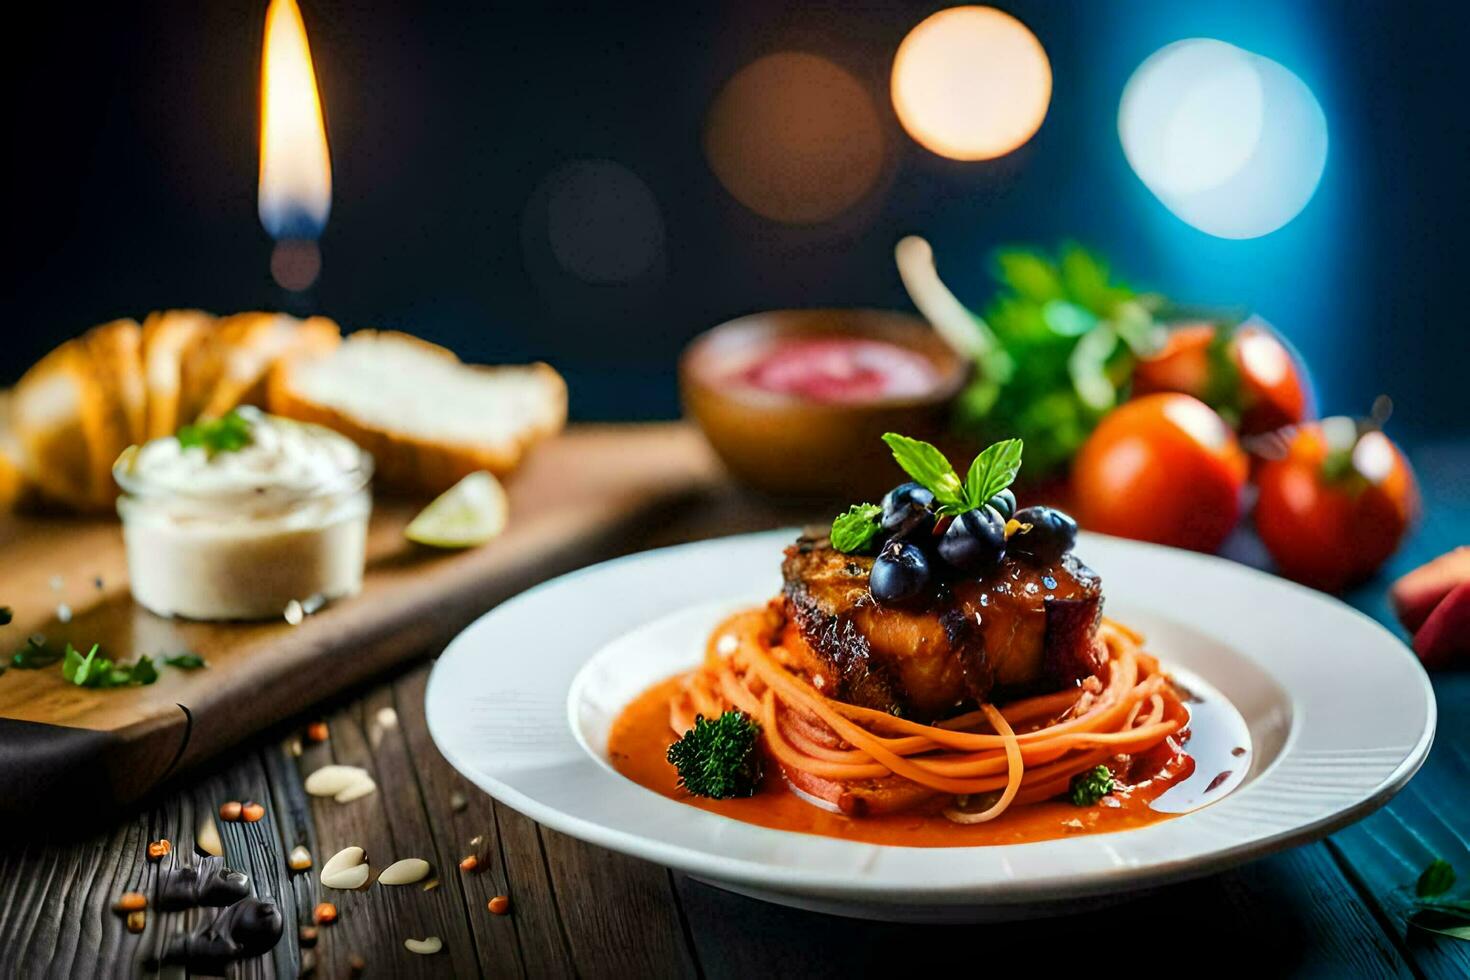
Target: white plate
1339	715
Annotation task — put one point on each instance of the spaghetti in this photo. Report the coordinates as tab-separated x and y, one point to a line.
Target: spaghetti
998	755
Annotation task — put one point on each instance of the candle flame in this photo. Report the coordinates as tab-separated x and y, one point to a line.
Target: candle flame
295	168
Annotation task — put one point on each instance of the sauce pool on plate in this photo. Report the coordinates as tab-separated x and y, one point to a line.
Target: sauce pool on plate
641	736
839	370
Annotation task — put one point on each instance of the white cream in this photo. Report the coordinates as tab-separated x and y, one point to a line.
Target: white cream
240	534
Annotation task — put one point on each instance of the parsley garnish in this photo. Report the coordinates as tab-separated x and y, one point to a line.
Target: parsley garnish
856	529
990	473
226	434
34	655
1090	786
96	671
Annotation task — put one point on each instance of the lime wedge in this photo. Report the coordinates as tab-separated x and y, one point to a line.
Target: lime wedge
467	514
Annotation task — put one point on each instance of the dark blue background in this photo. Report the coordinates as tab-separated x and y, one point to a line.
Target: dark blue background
133	159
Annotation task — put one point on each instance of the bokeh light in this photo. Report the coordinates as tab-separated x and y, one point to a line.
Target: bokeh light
1231	142
971	83
602	222
795	138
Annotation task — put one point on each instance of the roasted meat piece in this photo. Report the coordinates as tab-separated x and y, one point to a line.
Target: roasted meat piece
1022	629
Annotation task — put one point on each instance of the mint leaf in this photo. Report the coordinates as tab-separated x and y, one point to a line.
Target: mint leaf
992	471
856	529
186	661
929	467
1436	879
1452	924
226	434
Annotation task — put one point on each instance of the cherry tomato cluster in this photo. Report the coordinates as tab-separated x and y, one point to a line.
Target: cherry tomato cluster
1334	496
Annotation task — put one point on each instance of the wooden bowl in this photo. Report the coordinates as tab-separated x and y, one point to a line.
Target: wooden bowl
790	446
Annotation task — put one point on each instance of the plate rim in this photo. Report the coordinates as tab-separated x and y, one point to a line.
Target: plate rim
798	882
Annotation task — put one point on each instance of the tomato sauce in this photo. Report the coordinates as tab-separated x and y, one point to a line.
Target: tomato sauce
641	736
841	370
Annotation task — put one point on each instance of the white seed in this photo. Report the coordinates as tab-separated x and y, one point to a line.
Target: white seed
356	790
313	603
387	717
56	583
299	859
207	838
346	879
404	872
331	780
63	613
424	947
295	746
457	802
294	613
348	857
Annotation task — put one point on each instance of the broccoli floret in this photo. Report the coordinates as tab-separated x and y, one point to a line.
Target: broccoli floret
1090	786
719	758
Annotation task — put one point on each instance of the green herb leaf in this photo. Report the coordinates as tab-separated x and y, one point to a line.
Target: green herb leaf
992	471
143	671
1090	786
929	467
1452	925
5	616
88	671
228	433
1436	879
856	529
34	655
188	660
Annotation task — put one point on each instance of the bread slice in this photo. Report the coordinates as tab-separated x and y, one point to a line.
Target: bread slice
168	337
428	419
15	489
58	412
114	350
248	344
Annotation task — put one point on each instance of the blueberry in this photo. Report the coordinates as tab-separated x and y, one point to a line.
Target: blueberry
1050	536
900	572
1005	503
976	541
906	508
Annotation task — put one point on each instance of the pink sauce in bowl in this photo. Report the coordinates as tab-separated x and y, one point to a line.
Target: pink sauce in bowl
840	370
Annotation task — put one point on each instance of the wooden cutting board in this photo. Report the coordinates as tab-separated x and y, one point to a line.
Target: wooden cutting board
63	747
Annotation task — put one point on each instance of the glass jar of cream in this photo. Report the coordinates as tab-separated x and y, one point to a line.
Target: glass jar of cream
239	525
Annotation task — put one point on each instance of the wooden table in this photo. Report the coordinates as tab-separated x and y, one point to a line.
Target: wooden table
1332	909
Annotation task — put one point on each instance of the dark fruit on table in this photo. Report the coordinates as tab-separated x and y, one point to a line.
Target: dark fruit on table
975	541
1005	503
900	572
1045	534
905	505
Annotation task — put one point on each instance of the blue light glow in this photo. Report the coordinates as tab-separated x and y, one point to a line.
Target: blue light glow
1231	142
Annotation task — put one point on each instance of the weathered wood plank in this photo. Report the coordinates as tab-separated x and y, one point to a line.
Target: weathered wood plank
621	914
458	814
1289	915
1386	852
389	825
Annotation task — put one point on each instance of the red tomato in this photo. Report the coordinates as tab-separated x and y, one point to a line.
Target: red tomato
1332	524
1269	390
1162	468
